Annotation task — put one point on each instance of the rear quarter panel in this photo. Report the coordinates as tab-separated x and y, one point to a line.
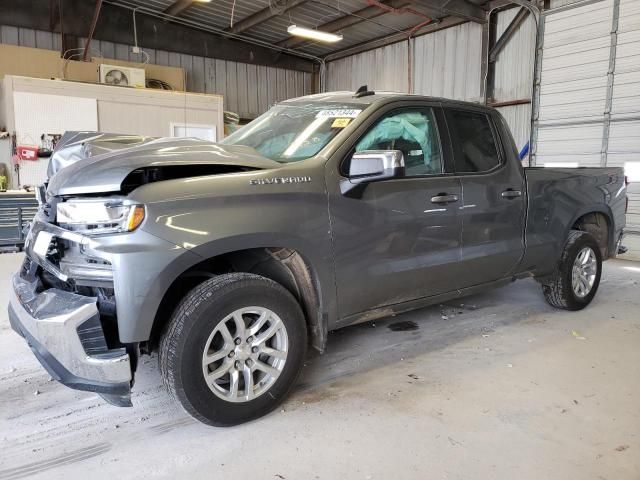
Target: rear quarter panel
557	198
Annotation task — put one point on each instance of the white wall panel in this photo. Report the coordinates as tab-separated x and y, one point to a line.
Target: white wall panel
626	88
624	133
513	78
518	117
513	74
561	3
448	62
381	69
575	64
573	84
575	125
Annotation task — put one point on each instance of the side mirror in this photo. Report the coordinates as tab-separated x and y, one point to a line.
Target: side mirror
372	166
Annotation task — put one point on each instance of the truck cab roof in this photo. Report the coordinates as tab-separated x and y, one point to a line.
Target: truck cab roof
350	97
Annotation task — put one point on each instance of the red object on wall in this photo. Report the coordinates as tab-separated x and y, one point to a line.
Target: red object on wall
26	152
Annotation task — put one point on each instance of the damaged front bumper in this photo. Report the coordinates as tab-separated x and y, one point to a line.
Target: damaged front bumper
63	328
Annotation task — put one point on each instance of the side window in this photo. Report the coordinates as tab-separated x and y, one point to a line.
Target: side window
474	146
414	133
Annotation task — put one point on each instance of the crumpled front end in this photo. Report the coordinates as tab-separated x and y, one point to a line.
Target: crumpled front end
62	326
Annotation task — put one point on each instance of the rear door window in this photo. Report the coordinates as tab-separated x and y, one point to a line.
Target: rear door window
474	144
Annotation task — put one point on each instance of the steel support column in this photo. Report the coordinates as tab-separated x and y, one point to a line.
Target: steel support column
611	75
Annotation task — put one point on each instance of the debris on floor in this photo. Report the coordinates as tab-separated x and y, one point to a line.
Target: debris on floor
577	335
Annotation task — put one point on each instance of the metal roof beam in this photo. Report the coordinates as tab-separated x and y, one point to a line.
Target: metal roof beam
177	7
348	20
393	38
457	8
507	34
262	16
116	25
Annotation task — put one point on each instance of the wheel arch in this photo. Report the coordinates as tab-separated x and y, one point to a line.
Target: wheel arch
283	264
590	219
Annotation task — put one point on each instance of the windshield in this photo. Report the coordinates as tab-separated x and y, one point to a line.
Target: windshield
288	133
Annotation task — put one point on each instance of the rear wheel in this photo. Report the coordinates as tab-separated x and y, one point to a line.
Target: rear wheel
577	276
233	348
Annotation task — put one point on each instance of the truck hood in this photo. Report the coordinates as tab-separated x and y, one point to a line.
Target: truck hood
162	157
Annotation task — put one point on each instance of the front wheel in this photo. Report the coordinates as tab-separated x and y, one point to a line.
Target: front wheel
577	276
233	348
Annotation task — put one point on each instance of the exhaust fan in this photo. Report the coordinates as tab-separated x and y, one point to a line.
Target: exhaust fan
122	76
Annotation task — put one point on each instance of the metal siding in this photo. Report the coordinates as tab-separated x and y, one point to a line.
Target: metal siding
162	57
574	122
513	77
231	97
573	84
262	86
242	87
518	117
108	49
626	88
9	35
45	40
447	63
27	37
381	69
624	132
252	89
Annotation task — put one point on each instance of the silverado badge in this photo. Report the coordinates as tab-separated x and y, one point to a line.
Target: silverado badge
279	180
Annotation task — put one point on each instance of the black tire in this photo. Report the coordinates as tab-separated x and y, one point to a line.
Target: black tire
557	288
195	318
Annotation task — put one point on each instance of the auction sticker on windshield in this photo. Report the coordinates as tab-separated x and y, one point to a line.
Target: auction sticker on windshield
339	113
340	122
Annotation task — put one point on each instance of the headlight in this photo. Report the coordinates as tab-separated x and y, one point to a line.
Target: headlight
100	216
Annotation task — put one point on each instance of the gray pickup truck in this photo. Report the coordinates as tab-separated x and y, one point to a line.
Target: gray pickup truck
230	258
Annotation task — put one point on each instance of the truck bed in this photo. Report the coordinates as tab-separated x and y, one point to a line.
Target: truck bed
558	197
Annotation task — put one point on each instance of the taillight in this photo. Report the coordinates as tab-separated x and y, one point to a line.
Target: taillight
626	197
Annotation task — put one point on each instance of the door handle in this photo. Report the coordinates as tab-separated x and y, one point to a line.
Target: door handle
444	198
511	193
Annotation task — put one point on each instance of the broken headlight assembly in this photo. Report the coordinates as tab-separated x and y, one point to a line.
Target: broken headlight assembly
99	216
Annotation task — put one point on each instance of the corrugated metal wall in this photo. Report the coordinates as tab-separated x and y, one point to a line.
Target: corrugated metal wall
247	89
573	85
446	63
381	69
624	133
561	3
590	90
513	78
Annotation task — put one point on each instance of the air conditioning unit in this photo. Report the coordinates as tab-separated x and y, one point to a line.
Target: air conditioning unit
122	76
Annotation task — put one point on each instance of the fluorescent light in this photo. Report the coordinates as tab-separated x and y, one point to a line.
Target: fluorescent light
314	34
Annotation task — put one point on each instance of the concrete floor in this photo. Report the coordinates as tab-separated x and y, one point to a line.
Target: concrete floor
505	388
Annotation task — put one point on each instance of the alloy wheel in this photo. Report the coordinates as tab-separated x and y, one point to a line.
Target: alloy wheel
245	354
583	273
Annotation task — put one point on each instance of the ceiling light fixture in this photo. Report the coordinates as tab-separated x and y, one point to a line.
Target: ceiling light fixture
313	34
